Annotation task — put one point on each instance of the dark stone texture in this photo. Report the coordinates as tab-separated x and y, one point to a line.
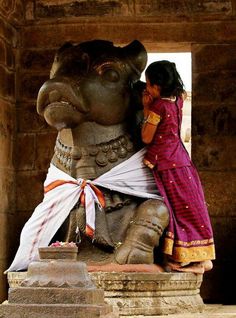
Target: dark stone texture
216	285
30	84
219	290
13	10
214	120
24	156
3	280
7	203
7	120
47	9
28	120
6	55
37	59
214	153
52	36
8	40
78	8
22	218
44	145
220	188
183	7
8	32
207	58
233	7
29	189
6	228
224	234
7	6
17	16
7	83
218	87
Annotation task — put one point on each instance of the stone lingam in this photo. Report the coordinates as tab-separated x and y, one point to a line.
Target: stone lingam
56	286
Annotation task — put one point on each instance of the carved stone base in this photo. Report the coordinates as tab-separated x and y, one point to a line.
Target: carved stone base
55	311
151	293
56	288
145	294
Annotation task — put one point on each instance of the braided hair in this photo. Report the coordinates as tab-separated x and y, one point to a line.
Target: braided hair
165	75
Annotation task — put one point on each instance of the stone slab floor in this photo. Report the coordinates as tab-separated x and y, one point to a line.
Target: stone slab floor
210	311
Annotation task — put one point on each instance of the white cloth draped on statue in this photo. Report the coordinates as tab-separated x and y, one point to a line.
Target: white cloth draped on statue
130	177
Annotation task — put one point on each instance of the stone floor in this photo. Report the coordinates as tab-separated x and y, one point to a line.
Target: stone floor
210	311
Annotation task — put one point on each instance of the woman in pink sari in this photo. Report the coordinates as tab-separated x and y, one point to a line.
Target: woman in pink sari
188	241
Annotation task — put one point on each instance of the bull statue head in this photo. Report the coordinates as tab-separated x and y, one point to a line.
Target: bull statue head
91	81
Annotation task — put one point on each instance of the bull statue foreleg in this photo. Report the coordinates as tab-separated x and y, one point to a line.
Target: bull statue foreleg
143	234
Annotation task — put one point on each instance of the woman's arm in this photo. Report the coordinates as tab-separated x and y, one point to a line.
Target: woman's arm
149	127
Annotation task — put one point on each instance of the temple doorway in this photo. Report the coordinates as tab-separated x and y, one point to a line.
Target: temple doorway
183	61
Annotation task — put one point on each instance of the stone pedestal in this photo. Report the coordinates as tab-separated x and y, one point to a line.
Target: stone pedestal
56	288
150	294
144	294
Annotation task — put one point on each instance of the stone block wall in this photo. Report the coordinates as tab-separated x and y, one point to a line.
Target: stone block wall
35	139
213	151
207	28
10	18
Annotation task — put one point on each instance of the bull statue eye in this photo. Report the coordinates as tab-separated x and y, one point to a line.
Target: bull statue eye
111	75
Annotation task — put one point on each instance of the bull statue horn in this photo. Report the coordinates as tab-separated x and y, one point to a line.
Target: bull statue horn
136	55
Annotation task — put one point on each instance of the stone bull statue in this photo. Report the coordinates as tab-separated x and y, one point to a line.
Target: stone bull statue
89	99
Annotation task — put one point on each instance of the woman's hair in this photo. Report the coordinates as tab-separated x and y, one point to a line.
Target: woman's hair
165	75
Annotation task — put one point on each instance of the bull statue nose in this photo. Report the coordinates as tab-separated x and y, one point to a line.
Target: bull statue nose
54	96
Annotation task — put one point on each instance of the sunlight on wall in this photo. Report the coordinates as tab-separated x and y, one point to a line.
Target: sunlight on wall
183	62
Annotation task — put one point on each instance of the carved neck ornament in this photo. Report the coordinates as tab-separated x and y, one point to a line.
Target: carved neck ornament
103	153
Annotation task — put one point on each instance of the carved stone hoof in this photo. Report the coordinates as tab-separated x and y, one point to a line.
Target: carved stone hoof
129	254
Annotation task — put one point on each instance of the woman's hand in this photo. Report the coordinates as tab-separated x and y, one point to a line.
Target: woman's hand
147	99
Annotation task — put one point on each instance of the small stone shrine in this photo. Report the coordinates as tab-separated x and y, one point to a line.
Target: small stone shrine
57	286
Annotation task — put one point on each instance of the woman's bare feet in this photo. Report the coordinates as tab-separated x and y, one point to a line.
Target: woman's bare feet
196	268
171	266
208	265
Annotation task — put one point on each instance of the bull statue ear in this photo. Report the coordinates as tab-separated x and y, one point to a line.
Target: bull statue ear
136	55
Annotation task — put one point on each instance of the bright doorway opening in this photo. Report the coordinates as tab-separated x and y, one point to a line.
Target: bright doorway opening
183	62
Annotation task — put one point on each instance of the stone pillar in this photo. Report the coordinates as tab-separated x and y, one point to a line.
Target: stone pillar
35	139
213	152
8	38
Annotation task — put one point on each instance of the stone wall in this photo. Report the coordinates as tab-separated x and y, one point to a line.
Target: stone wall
213	149
10	17
207	28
